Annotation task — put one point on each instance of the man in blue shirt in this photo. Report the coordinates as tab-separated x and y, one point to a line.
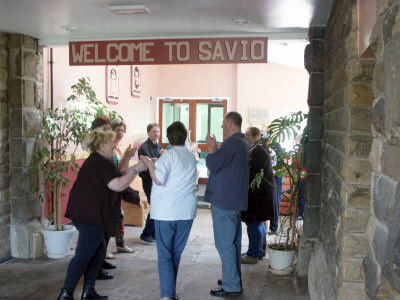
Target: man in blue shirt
227	191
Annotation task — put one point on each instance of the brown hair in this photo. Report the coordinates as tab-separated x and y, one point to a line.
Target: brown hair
151	126
235	117
254	131
100	121
177	134
96	137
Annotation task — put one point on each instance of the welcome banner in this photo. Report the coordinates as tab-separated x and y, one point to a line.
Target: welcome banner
170	51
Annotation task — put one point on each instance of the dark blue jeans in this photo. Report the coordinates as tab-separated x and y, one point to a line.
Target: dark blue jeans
172	237
256	233
89	255
274	224
149	229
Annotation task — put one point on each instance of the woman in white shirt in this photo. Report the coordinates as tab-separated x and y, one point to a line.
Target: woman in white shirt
173	205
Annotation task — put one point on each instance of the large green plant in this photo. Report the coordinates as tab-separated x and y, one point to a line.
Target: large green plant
290	164
63	130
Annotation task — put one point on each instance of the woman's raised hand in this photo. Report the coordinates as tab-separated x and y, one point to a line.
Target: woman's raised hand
130	151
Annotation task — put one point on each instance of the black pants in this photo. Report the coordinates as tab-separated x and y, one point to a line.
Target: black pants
89	255
149	229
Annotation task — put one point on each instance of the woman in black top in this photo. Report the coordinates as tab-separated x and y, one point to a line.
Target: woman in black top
94	207
261	201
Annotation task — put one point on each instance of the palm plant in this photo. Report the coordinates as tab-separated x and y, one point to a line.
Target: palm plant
290	164
63	130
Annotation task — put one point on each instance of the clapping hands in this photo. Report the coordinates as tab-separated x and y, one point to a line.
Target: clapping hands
150	165
130	151
211	143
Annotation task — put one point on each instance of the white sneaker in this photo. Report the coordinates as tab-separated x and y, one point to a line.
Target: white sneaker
125	249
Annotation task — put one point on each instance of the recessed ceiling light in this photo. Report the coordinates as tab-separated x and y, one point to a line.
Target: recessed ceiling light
241	21
129	9
69	28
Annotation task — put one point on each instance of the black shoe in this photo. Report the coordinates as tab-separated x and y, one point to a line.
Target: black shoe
103	275
106	265
220	292
90	293
65	295
219	282
175	298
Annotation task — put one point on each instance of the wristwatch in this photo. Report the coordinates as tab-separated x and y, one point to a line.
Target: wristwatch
135	171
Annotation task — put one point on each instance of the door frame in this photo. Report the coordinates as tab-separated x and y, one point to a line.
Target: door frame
192	122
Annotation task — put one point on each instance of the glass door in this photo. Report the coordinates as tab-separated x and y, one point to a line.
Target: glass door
199	117
209	117
172	112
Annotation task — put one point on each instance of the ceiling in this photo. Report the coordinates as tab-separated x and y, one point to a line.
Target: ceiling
277	19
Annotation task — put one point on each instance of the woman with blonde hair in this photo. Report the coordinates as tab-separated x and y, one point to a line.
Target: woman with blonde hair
94	207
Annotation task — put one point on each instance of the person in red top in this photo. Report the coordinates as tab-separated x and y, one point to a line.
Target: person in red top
121	158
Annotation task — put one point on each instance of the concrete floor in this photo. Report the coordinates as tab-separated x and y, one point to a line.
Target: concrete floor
136	276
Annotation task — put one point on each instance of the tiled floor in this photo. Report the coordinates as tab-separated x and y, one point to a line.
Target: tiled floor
136	274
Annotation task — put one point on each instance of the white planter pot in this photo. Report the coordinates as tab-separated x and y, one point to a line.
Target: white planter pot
58	243
281	261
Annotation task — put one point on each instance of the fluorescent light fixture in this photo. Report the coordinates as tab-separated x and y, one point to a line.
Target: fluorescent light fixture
129	9
241	21
69	28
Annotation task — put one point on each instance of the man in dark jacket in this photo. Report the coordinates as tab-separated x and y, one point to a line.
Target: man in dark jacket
152	149
227	192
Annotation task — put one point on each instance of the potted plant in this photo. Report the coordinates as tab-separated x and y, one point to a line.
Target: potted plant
62	131
290	165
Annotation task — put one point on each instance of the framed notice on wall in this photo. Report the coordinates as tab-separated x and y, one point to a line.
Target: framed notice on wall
112	84
135	82
258	115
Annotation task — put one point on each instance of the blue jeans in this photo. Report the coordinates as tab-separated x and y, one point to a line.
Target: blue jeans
148	230
228	241
274	224
256	232
89	255
172	237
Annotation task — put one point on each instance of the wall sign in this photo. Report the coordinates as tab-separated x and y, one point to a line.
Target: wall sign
258	115
171	51
112	84
135	82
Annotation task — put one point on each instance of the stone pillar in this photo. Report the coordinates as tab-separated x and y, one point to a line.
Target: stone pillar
382	264
314	63
25	101
5	206
336	270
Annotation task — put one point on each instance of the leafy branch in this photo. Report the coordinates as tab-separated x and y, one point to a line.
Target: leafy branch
62	128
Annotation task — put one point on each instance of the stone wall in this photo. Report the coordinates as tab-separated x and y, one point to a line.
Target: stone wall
25	112
5	206
382	265
336	269
314	63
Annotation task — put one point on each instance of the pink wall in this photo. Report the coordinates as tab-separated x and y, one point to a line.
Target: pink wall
280	89
198	81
